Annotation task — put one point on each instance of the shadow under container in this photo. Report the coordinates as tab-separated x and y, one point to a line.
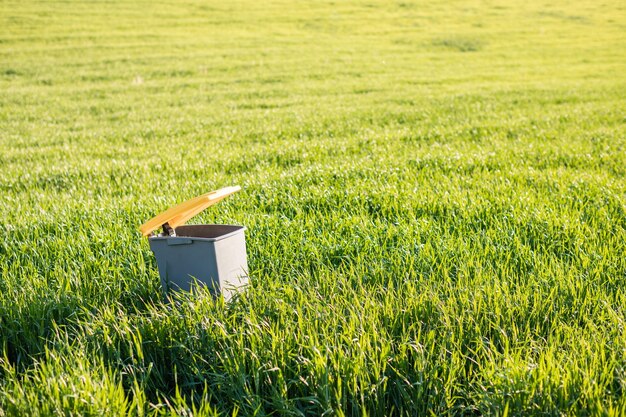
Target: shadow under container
211	254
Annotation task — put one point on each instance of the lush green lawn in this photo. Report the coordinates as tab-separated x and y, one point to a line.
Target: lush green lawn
435	196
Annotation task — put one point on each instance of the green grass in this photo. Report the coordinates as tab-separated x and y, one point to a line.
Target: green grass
435	196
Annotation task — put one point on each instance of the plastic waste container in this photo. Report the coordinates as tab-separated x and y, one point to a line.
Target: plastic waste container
207	254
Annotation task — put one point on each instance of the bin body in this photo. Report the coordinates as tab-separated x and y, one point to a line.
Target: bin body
213	255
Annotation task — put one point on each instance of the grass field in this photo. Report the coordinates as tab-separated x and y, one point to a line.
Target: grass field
435	196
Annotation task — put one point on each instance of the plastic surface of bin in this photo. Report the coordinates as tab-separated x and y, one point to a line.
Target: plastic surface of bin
212	255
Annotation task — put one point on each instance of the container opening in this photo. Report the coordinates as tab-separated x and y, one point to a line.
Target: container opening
210	231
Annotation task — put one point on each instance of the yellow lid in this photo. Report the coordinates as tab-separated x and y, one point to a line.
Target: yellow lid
177	215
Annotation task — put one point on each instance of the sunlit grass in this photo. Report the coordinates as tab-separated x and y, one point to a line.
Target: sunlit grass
435	198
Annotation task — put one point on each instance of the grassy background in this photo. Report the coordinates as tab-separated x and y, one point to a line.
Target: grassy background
434	192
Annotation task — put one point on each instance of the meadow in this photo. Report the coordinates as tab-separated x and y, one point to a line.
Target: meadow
434	194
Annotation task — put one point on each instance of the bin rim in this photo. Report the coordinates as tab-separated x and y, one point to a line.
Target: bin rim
179	214
240	229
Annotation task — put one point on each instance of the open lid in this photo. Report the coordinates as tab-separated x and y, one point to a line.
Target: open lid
177	215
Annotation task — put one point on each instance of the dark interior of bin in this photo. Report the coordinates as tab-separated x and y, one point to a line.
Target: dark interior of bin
206	230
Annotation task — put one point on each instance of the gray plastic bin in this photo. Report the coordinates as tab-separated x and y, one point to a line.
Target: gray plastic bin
208	254
211	254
